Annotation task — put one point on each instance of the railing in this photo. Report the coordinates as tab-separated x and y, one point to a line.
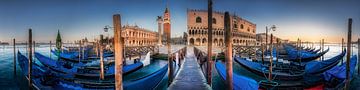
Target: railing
201	58
181	56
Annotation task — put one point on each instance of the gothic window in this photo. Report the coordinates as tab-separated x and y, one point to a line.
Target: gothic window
241	26
214	20
198	20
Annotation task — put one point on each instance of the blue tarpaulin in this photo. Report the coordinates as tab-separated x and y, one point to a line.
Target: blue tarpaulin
239	82
339	72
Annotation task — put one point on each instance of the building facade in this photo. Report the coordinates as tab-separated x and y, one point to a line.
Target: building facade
243	31
136	36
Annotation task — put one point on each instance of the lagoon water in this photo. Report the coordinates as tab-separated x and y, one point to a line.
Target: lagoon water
9	81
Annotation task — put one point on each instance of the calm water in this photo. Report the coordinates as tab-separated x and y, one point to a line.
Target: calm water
9	81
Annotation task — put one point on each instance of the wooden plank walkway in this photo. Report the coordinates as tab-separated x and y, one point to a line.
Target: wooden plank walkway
190	76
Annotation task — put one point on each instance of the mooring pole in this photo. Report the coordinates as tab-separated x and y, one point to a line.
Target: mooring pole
322	50
34	45
14	46
277	51
97	48
271	57
101	61
30	59
342	50
83	49
262	53
266	37
358	56
50	49
79	51
118	41
348	55
300	49
228	58
209	52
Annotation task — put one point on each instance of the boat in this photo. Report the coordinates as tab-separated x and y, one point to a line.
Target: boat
336	77
260	70
239	82
75	70
148	82
316	67
36	72
303	56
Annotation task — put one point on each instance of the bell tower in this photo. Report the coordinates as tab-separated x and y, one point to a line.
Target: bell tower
166	22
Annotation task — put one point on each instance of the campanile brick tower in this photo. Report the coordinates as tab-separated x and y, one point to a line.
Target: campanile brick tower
167	25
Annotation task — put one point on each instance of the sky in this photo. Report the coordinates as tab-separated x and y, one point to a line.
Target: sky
309	20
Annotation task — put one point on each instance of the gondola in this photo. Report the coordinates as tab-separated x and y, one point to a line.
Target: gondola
58	66
37	72
316	67
304	56
239	82
148	82
260	70
73	56
336	77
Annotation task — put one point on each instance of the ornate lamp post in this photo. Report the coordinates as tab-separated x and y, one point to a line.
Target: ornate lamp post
273	28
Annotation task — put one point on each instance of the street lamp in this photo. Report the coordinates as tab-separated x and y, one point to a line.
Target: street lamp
106	29
273	28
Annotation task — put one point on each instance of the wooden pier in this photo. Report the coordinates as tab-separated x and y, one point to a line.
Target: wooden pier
190	75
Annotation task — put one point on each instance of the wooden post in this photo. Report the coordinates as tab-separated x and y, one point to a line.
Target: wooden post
101	61
118	41
342	50
209	49
277	51
271	57
228	57
347	82
96	48
34	45
14	46
83	49
266	37
30	59
298	51
358	56
322	50
79	51
50	49
262	53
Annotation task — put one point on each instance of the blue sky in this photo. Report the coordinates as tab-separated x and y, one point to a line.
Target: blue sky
309	20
